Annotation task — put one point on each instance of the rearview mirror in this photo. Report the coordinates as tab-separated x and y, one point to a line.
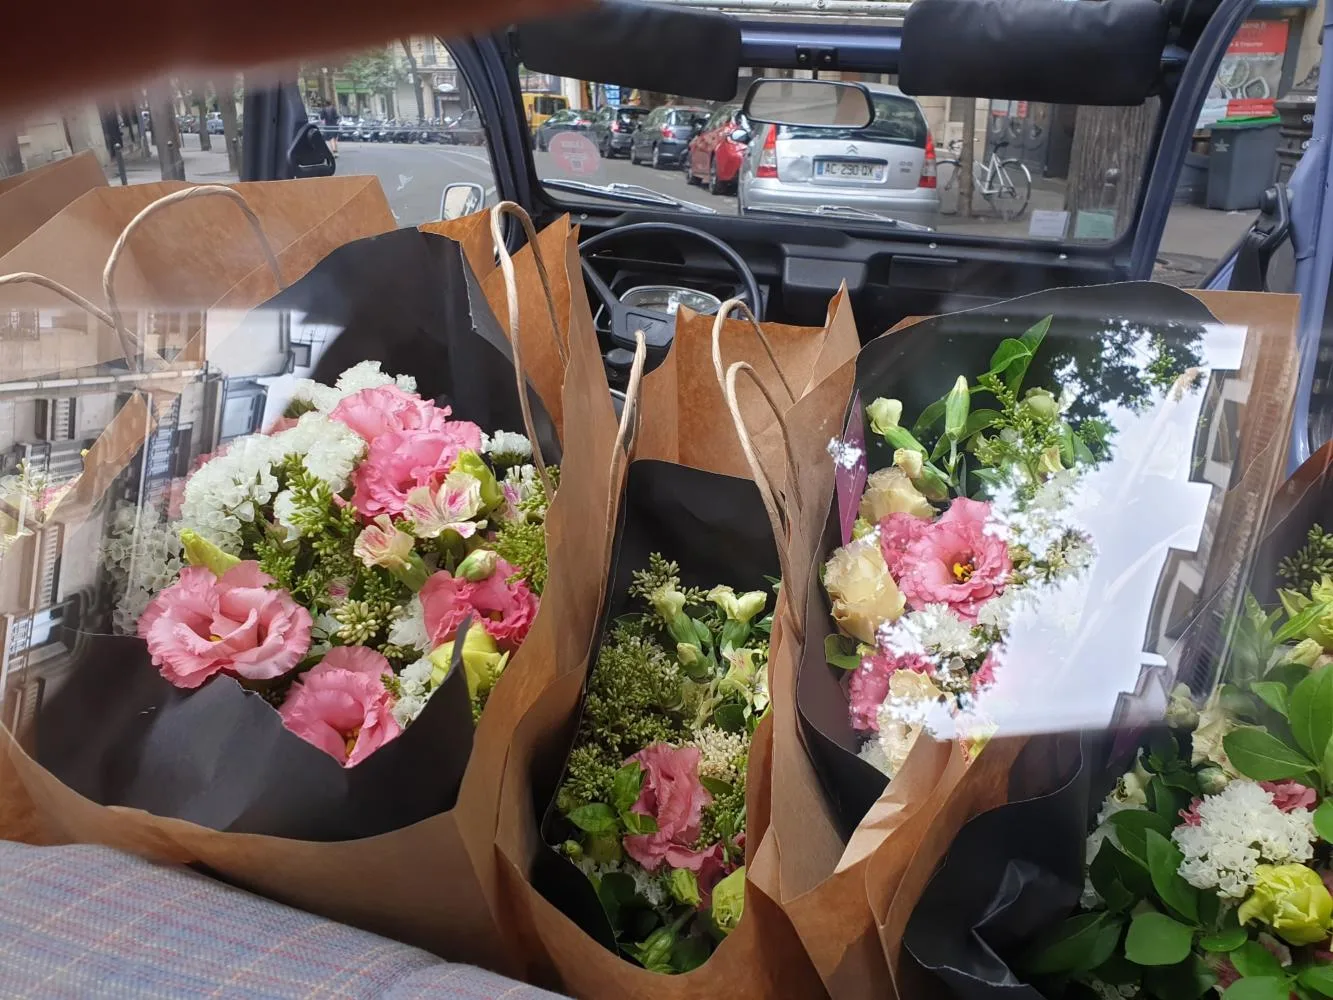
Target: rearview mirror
810	103
461	199
740	135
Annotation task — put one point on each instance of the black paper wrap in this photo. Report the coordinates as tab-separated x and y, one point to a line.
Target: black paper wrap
1010	874
716	529
120	734
410	301
918	366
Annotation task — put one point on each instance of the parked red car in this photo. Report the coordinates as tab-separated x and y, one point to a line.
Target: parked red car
715	154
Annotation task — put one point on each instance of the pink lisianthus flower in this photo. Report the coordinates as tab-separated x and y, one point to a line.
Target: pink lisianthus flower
713	868
387	409
401	461
204	625
953	561
897	532
985	675
502	603
1190	814
342	706
1290	795
869	686
673	795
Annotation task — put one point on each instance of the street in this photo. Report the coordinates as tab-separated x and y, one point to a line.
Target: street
414	177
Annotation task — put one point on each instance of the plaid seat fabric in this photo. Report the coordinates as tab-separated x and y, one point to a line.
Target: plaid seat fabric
86	922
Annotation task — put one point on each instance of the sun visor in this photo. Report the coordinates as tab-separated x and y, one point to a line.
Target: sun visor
692	53
1098	52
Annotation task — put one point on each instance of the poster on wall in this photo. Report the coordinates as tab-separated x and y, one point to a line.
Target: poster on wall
1251	71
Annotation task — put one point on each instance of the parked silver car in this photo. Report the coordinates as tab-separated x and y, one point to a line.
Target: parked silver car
886	168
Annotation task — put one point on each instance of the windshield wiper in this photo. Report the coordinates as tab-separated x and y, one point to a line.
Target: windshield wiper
846	211
627	192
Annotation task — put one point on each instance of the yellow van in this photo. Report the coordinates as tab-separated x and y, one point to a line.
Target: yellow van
539	107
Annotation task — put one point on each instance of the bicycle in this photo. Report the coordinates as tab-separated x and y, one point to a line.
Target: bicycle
1005	184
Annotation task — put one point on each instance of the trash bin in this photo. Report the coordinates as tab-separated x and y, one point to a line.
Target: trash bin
1241	155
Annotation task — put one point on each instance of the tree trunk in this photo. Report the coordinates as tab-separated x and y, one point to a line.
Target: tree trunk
162	109
200	91
11	158
966	157
415	74
231	134
1109	153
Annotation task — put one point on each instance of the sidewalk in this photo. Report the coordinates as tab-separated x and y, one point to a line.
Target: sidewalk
200	167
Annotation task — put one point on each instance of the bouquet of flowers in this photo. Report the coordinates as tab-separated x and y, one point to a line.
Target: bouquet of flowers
1211	858
329	564
967	526
654	792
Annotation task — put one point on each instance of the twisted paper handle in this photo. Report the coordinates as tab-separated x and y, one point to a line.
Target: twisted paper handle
723	312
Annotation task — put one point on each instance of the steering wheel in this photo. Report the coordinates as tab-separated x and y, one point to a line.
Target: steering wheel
658	327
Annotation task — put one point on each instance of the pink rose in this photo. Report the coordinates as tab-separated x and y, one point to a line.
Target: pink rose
985	676
203	625
869	686
672	795
401	461
502	603
953	561
1289	795
387	409
1190	815
342	706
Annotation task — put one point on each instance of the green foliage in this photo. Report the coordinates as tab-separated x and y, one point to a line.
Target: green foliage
522	544
1156	939
1313	561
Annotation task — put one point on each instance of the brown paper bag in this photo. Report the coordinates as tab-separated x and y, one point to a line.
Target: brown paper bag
432	884
473	234
201	254
29	199
761	958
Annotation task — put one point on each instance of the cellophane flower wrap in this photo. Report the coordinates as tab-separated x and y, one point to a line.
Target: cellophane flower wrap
1210	860
329	563
654	792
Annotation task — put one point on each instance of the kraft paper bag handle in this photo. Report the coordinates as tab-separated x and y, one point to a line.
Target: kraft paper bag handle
622	450
29	278
774	504
740	305
133	353
511	297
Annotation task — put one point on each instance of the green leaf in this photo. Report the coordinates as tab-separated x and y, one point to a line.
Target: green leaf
1166	801
1262	756
1254	960
1225	940
1131	827
1081	943
689	953
1187	980
1311	711
617	894
1020	356
626	785
979	420
1118	879
1009	353
1260	988
1156	939
730	717
1318	978
595	817
637	823
1299	622
1273	694
1326	764
1163	860
835	654
715	785
1323	820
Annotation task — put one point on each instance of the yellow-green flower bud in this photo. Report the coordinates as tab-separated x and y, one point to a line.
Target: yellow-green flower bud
738	607
910	461
684	887
728	904
1042	404
1293	901
1181	712
199	551
1212	779
478	565
1050	463
482	661
883	414
1307	653
956	406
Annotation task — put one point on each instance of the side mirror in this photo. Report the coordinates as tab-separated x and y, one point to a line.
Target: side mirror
461	198
809	103
740	135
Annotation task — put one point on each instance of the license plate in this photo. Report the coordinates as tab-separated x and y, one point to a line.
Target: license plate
851	170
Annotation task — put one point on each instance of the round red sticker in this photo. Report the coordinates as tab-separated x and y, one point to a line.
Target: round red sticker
575	154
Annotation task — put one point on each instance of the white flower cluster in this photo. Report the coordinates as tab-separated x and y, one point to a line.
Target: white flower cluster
650	886
366	375
934	631
414	685
143	555
719	751
506	447
844	454
1240	828
524	479
409	628
232	488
